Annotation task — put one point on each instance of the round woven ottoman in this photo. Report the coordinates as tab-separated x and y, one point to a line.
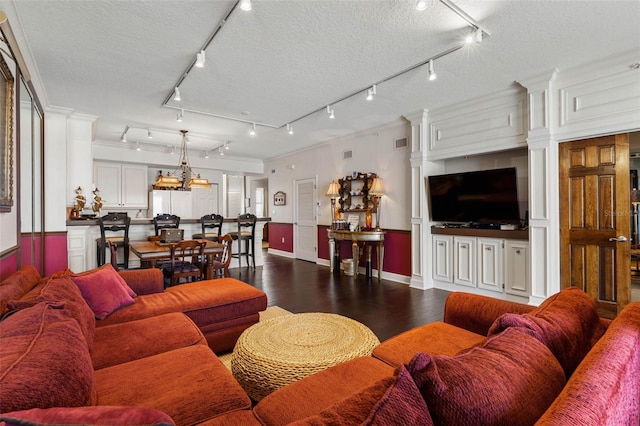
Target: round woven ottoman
281	350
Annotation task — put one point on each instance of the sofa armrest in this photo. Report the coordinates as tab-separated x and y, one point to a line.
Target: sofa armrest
476	313
144	281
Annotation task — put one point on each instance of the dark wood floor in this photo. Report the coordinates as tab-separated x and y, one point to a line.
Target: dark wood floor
387	308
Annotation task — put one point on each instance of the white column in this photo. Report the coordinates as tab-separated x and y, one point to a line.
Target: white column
544	220
57	195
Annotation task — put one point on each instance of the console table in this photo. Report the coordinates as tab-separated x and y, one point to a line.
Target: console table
356	237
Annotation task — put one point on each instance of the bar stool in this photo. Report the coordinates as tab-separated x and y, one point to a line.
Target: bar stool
210	221
246	232
113	222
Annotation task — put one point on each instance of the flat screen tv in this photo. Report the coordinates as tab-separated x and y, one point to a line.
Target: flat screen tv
479	197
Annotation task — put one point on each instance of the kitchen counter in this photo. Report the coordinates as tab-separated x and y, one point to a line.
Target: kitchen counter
149	221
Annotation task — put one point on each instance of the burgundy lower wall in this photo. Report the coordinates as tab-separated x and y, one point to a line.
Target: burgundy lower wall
281	236
8	265
55	248
397	250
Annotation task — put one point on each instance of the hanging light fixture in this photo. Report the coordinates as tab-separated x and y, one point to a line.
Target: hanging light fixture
183	175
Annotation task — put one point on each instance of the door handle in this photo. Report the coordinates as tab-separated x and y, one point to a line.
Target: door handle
620	239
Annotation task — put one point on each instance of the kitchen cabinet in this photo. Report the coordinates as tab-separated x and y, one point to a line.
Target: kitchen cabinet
121	185
171	202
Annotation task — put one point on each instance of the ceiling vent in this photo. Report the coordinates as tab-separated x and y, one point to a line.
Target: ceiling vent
400	143
347	154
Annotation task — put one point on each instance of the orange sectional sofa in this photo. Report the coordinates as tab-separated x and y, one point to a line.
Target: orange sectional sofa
488	362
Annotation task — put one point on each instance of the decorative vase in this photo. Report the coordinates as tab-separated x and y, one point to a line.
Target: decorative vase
369	219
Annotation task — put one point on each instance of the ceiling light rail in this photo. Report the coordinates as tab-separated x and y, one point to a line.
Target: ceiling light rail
172	149
478	35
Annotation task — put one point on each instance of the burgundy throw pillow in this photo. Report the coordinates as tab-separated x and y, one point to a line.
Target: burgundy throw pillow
104	290
99	415
59	289
44	361
511	379
567	323
394	400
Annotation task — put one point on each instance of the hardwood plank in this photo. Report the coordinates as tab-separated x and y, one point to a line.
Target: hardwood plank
387	308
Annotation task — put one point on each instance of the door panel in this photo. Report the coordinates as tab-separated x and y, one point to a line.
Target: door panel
305	222
594	212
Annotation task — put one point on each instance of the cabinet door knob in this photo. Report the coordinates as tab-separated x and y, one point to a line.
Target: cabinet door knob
488	248
518	251
441	243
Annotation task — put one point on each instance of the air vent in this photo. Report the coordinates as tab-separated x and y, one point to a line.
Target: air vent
273	170
347	154
400	143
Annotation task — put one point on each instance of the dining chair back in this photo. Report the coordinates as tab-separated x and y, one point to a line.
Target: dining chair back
186	262
222	260
246	238
165	221
113	223
211	226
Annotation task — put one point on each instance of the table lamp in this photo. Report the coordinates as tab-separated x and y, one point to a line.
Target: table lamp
377	191
333	193
635	200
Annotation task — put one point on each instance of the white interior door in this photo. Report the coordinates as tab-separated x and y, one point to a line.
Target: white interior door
305	220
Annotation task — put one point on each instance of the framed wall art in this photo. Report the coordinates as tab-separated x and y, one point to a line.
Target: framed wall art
279	198
6	127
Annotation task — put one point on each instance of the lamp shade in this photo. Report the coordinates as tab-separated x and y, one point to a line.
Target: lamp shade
635	196
333	190
377	187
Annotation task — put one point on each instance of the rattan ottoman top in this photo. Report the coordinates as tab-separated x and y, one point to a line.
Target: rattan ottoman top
281	350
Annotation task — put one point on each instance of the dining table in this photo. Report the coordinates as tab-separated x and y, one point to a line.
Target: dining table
150	252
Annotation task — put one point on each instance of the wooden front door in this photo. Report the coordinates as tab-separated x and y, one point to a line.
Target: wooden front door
595	215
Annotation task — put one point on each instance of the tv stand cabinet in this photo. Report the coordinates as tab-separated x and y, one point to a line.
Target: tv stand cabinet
489	260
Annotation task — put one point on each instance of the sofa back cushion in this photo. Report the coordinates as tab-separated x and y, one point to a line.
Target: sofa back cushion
393	400
111	416
61	290
17	285
44	361
511	379
567	323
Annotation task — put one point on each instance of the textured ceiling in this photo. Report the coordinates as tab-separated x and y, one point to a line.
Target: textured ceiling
285	59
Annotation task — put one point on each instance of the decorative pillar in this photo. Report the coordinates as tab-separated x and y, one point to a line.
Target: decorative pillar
544	205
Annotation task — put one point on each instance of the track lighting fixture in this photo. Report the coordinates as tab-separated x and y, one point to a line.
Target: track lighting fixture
149	136
220	151
421	4
289	129
432	73
176	94
245	5
330	112
123	138
200	59
252	130
371	92
138	146
180	116
206	154
478	35
226	144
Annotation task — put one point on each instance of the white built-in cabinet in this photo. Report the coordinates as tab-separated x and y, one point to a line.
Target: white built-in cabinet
121	185
442	258
494	264
186	204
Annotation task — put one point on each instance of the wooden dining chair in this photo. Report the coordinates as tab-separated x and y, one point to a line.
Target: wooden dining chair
222	260
186	262
112	223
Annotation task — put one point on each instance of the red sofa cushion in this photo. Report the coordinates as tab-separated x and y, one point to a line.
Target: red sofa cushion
129	416
567	323
58	289
17	285
509	379
104	290
32	373
393	400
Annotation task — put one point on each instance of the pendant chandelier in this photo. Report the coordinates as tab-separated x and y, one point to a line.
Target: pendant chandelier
182	177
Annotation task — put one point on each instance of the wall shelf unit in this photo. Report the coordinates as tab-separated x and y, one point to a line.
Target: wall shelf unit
354	193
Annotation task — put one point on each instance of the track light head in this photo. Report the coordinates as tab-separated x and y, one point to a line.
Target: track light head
245	5
180	116
330	112
176	94
226	144
200	59
432	73
149	135
252	130
371	92
206	154
123	138
478	35
138	146
421	4
220	151
289	129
